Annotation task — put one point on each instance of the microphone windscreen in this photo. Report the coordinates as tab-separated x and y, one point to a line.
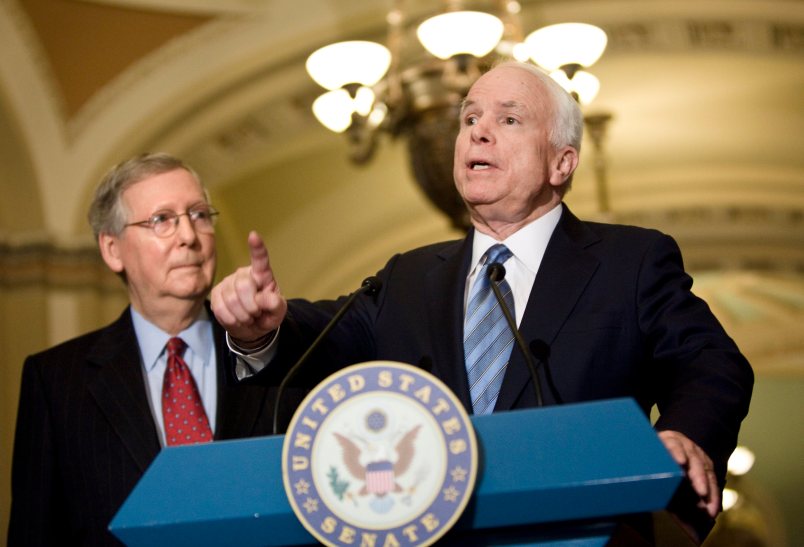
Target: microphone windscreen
540	349
496	272
372	285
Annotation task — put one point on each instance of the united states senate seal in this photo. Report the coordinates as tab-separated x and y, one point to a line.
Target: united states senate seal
379	454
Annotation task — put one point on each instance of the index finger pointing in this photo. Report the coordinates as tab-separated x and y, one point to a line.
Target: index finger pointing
260	266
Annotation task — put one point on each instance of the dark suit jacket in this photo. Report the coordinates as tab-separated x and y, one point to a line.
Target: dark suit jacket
610	314
85	434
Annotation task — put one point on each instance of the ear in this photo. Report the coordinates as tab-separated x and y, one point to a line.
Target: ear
110	251
563	165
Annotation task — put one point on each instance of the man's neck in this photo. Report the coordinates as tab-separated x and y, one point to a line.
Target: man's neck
502	229
173	315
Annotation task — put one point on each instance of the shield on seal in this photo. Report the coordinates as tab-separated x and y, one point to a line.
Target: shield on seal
379	478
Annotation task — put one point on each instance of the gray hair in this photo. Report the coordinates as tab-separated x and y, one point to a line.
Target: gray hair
567	127
107	213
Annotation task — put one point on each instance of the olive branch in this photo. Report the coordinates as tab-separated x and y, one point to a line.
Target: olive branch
338	486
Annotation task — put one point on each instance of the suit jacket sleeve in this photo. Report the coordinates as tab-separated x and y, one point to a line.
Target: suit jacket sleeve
703	383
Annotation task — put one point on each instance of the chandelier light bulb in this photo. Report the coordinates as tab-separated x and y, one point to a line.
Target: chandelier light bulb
377	115
730	498
513	7
363	101
353	62
741	461
460	32
520	52
564	44
334	110
583	84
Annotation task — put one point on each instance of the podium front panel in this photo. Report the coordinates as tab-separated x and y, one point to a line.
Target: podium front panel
565	463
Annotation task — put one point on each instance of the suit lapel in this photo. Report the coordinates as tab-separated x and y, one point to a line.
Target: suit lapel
119	389
445	291
563	275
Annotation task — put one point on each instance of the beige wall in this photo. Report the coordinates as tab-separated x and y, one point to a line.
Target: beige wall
46	297
23	324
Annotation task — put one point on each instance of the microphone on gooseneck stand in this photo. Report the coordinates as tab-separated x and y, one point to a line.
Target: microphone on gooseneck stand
496	273
370	286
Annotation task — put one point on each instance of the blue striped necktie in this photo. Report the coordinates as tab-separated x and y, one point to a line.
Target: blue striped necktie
487	340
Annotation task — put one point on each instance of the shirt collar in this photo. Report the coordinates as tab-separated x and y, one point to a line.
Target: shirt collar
152	339
527	244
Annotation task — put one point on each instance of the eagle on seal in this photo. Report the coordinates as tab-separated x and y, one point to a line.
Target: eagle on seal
379	474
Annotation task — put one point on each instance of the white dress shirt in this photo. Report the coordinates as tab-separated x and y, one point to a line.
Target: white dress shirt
527	245
199	356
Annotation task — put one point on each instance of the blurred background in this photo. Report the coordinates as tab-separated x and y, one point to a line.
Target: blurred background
696	129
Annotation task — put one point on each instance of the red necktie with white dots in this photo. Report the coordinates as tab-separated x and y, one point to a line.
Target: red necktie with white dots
183	412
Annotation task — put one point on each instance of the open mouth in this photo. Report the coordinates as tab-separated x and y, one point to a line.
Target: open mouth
478	165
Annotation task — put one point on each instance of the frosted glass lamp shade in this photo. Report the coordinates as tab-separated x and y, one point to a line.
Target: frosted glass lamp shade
456	32
563	44
353	62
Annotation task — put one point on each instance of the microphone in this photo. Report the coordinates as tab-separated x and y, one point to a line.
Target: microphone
496	273
370	287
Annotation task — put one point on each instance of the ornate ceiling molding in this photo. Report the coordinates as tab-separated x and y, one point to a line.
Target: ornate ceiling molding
763	312
47	265
716	238
732	32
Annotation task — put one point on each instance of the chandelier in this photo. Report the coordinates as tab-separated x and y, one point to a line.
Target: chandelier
413	86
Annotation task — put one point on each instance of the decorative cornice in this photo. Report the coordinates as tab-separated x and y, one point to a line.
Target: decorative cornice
49	266
734	34
716	238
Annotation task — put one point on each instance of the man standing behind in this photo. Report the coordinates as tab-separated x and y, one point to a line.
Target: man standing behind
95	411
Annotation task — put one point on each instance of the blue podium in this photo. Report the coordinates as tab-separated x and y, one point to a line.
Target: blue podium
559	475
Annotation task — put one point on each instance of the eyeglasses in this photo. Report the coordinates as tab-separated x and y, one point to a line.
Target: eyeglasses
165	223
